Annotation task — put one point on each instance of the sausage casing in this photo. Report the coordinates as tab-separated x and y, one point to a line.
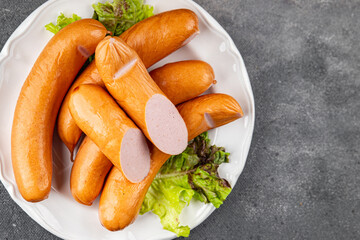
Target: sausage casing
39	102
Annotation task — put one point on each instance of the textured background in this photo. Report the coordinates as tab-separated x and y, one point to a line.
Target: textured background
301	179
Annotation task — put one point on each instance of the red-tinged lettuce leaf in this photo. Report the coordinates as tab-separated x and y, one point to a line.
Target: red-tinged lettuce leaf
120	15
117	16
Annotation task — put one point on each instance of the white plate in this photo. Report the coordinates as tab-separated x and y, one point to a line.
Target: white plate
60	213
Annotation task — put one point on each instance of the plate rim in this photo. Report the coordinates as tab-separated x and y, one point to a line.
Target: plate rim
25	26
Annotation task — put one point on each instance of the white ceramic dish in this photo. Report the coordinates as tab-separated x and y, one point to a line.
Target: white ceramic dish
60	213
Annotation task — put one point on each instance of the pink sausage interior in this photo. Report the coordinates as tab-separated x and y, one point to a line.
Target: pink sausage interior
134	156
165	125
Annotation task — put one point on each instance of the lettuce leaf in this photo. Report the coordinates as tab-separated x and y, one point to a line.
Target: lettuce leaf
191	174
117	16
61	22
120	15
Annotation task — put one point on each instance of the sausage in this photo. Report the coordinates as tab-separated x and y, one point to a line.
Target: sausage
85	183
103	121
194	76
163	33
68	131
128	81
91	166
214	110
121	200
39	101
173	29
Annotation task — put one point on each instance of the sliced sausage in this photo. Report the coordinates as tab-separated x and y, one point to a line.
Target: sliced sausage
128	81
103	121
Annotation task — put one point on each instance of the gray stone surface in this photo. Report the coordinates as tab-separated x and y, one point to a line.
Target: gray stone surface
301	180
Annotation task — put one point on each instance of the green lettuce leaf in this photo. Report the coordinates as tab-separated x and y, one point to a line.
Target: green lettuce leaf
120	15
117	16
191	174
61	22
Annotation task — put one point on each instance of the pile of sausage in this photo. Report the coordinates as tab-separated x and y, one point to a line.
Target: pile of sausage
133	120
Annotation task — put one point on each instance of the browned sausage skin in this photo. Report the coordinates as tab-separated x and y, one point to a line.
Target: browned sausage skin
152	44
121	200
39	101
90	165
194	77
68	131
88	172
156	37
